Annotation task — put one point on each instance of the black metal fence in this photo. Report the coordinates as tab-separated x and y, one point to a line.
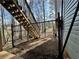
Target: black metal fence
13	33
69	14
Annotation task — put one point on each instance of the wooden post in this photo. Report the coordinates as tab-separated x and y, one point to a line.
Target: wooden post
27	33
20	32
12	36
12	26
0	41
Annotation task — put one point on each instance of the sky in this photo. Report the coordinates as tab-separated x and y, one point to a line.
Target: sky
36	9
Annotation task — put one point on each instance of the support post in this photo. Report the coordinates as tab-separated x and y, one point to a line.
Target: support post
12	33
20	32
44	17
0	41
2	15
27	33
59	23
59	35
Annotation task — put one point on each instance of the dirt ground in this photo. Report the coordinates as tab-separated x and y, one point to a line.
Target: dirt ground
46	51
44	48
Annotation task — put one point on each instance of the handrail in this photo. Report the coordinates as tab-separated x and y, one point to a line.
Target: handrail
31	14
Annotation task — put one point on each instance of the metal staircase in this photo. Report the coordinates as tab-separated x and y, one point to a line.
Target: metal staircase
15	10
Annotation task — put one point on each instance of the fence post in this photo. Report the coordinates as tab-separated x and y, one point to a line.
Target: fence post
0	41
12	26
20	32
59	25
59	35
27	33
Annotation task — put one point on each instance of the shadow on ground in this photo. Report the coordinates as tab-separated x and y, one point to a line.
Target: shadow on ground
48	50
